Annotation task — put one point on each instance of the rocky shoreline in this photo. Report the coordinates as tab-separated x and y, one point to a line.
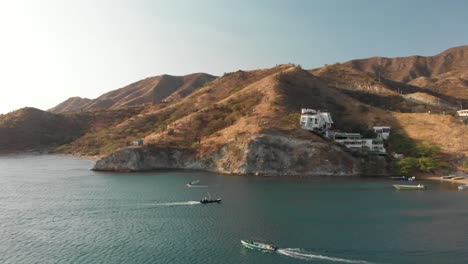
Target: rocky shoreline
269	155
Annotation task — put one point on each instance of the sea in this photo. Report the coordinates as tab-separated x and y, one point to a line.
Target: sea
54	209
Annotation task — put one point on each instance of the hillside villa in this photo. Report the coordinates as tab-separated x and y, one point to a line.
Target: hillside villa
314	120
463	113
382	132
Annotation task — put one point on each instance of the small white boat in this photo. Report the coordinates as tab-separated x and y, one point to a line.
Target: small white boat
258	246
458	178
463	187
409	187
447	177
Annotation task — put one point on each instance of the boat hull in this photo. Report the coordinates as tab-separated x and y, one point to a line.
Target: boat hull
210	201
409	187
258	246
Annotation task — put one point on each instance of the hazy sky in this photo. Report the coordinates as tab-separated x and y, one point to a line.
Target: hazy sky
52	50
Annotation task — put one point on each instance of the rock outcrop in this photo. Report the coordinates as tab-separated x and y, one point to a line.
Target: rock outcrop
269	155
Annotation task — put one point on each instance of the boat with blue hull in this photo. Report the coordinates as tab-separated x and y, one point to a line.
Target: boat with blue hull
403	178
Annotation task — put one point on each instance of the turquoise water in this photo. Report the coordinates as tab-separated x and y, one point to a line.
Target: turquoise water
54	210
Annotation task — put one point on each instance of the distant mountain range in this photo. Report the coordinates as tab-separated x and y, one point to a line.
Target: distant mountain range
150	90
247	121
446	72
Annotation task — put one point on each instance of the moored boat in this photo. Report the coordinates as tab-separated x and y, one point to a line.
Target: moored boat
403	178
463	187
258	246
409	187
458	178
447	177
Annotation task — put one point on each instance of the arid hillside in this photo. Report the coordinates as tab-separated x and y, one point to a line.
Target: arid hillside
443	73
72	104
384	93
149	90
244	122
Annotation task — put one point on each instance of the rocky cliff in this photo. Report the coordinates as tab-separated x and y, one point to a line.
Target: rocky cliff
272	155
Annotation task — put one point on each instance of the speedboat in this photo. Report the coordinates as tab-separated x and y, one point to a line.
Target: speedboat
463	187
409	187
192	183
209	200
259	246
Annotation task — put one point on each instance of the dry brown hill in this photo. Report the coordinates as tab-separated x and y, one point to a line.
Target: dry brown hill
453	83
444	73
72	104
33	129
384	93
244	121
149	90
405	69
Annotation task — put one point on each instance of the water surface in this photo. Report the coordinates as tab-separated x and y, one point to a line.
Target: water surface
53	209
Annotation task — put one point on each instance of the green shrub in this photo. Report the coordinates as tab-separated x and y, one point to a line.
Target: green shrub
402	145
407	165
363	108
423	150
427	164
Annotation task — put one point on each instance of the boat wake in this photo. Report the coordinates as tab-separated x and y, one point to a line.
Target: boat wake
304	255
196	186
174	203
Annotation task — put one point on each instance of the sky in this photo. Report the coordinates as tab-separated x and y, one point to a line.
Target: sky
51	50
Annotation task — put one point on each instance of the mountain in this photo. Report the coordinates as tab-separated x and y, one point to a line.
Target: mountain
72	104
149	90
33	129
445	72
246	122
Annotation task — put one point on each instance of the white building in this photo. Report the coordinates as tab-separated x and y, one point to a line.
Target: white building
374	145
354	141
315	120
382	131
463	113
350	140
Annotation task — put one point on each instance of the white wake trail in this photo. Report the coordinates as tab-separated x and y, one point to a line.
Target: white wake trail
300	254
196	186
174	203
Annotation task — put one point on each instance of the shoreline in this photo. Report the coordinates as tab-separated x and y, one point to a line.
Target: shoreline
38	153
435	178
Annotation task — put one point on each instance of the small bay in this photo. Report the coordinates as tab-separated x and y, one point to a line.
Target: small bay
53	209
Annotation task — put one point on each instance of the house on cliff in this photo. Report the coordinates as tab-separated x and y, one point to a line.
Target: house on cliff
314	120
463	114
382	132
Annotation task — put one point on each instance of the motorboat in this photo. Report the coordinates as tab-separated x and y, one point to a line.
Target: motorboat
409	187
403	178
447	177
463	187
458	178
258	246
207	200
192	183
